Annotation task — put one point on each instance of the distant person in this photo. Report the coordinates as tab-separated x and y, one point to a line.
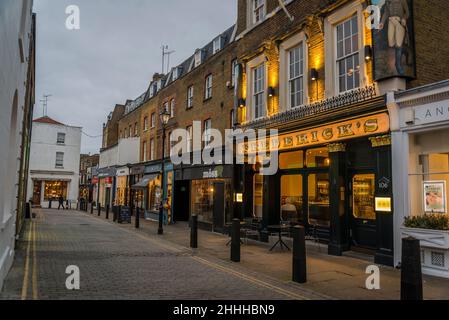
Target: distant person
61	203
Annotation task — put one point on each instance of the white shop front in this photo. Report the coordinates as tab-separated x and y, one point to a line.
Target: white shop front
420	146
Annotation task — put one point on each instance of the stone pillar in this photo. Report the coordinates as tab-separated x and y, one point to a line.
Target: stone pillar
339	234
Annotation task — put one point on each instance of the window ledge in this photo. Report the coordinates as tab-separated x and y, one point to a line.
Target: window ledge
207	99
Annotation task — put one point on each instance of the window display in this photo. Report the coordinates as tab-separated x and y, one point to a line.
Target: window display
203	200
55	189
154	195
363	188
121	190
429	173
291	160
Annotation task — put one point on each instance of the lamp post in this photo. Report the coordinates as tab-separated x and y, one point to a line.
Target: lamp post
165	117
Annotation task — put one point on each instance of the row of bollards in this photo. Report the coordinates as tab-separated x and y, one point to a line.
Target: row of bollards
411	273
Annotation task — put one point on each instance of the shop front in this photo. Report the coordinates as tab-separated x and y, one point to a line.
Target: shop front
106	187
136	195
121	186
46	190
421	167
331	179
204	191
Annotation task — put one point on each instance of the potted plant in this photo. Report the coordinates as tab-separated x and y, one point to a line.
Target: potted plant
433	232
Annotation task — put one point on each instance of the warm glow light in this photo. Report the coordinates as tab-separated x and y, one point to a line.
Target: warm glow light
239	197
383	204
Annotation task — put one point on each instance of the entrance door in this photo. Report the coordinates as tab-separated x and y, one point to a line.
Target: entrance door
219	206
37	187
181	207
363	218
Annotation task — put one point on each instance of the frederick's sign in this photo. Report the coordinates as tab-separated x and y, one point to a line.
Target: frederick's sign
367	126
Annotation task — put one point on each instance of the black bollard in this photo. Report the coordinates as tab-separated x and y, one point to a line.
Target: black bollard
107	212
235	240
411	273
91	208
137	218
49	204
194	233
299	255
99	209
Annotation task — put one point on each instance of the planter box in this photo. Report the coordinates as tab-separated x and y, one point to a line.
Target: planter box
434	250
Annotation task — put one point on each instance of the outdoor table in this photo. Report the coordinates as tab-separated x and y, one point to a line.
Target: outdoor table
278	229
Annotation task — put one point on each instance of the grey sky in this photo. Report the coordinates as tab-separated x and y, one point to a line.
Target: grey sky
115	53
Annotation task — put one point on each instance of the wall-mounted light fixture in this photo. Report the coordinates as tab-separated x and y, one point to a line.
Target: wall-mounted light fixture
271	92
368	53
242	103
314	74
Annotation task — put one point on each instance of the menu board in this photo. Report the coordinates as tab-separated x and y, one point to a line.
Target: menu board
124	215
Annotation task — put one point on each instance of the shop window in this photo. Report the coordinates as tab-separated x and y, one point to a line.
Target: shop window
363	191
169	196
54	190
154	195
429	173
291	198
291	160
202	200
258	196
317	158
319	208
121	190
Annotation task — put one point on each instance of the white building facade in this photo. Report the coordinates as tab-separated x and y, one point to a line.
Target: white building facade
16	39
54	163
420	146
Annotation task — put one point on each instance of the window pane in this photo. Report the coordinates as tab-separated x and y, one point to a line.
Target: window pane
291	198
317	158
363	189
291	160
318	196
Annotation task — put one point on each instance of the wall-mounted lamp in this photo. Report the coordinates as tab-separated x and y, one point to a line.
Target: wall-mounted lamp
314	74
368	53
271	92
242	103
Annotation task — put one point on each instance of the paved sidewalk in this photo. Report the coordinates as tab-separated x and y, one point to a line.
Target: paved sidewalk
119	263
337	277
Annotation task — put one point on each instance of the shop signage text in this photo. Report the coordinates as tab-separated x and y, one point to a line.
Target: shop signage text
356	128
433	112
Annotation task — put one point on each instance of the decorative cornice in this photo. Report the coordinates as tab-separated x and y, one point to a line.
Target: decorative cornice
337	147
425	100
381	141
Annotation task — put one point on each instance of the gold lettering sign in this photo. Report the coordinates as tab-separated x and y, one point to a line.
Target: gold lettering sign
366	126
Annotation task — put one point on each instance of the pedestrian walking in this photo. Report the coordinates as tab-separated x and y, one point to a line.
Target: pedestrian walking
61	203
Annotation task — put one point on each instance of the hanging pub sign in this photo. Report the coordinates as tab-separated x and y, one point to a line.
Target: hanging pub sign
356	128
393	40
435	197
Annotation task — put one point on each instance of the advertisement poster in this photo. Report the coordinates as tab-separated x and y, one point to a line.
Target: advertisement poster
394	48
435	197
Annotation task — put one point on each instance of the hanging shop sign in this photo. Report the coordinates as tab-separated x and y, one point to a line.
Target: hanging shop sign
435	197
366	126
393	40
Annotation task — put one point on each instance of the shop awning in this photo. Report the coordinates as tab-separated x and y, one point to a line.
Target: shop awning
143	184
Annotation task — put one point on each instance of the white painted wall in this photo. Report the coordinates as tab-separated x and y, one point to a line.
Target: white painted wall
15	24
125	152
43	157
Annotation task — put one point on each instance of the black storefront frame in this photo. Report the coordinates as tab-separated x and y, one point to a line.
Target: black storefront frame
339	233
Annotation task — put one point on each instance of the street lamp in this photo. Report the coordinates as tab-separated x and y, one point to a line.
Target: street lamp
165	117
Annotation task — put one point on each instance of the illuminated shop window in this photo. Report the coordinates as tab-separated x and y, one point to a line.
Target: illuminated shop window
291	198
291	160
319	208
54	189
317	158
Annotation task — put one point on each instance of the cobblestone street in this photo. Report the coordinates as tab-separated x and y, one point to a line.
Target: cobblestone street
117	263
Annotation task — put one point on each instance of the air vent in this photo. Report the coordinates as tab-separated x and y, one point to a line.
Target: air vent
438	259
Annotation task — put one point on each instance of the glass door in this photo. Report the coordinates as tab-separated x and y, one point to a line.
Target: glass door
291	199
363	226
